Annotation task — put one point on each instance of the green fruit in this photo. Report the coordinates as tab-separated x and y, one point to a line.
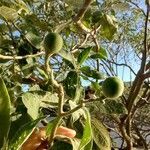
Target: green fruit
113	87
4	113
52	43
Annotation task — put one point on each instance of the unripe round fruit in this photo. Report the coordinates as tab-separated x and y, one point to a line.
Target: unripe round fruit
113	87
52	43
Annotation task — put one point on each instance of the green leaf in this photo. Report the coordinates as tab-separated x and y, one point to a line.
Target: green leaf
4	112
35	99
66	143
83	55
32	103
70	83
109	107
69	64
34	39
87	133
79	94
3	28
109	26
32	20
114	107
77	114
22	6
75	143
68	56
9	14
42	73
101	54
87	71
49	100
100	135
89	146
16	124
23	134
96	17
62	145
95	86
51	125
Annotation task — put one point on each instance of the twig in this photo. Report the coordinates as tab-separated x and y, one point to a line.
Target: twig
146	75
122	64
129	1
21	57
82	11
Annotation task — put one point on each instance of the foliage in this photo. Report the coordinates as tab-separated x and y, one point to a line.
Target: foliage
100	39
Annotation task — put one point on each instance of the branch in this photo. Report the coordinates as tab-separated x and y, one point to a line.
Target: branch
122	64
136	5
141	137
20	57
82	11
77	46
77	18
148	65
137	84
146	75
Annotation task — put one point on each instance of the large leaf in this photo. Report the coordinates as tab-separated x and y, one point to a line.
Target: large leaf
66	143
101	54
84	55
70	83
87	71
108	106
32	20
16	124
114	107
79	95
75	143
33	39
77	114
23	134
3	28
109	26
32	103
87	133
100	135
9	14
49	99
89	146
68	59
68	56
51	125
22	6
36	99
4	112
62	145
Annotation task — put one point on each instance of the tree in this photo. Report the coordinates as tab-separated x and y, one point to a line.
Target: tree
101	39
